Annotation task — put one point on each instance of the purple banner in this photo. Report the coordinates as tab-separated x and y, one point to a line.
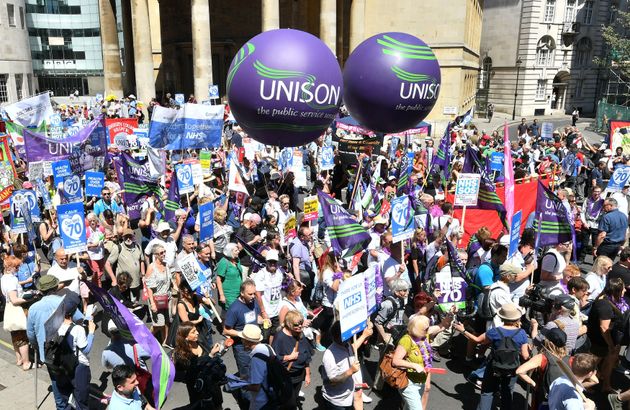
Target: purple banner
135	178
553	223
345	233
107	303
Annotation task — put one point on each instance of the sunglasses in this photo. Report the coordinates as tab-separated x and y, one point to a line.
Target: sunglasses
298	324
161	253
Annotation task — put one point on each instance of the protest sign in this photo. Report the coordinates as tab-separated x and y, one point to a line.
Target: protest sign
60	170
28	222
42	191
285	161
180	99
32	111
23	196
193	126
71	218
310	208
206	222
496	161
370	289
205	160
197	172
190	271
72	189
453	291
467	189
184	179
515	233
546	130
290	226
619	179
298	168
352	306
213	91
403	222
94	183
327	158
136	181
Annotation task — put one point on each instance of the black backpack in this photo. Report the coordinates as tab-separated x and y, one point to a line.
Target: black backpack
61	360
505	358
280	391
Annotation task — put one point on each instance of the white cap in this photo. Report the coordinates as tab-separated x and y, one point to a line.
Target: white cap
272	255
504	240
163	226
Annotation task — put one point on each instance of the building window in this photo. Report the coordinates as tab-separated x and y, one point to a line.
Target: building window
544	51
486	69
29	83
579	84
22	17
541	87
4	95
588	12
550	11
569	12
19	82
11	13
583	51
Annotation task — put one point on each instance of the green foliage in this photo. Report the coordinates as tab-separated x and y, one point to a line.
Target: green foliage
617	39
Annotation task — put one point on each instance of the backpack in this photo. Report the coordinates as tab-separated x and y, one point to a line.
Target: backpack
280	386
505	358
61	360
484	310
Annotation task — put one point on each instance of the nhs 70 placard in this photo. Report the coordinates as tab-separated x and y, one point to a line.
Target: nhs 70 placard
467	189
72	226
18	198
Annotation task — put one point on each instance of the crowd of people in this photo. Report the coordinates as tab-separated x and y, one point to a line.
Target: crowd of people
271	297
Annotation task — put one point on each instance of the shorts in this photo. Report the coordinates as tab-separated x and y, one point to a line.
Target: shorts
19	339
159	318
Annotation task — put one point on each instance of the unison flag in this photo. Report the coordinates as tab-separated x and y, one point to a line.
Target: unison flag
135	178
172	201
162	368
193	126
552	223
345	233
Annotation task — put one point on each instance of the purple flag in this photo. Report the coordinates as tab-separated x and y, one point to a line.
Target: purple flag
107	302
345	233
85	150
443	156
552	222
162	368
135	178
172	203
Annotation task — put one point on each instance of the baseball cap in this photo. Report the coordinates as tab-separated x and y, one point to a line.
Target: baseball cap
555	336
272	255
565	301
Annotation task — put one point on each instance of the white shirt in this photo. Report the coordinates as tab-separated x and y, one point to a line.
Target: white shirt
8	283
336	361
499	296
440	223
596	284
79	341
622	202
556	266
271	286
65	275
169	246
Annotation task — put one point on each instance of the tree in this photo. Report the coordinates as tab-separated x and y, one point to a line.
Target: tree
617	39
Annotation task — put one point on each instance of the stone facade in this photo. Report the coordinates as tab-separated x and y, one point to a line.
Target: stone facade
16	69
555	42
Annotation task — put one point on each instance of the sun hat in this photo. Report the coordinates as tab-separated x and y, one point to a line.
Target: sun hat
163	226
509	312
128	232
272	255
251	333
47	282
379	220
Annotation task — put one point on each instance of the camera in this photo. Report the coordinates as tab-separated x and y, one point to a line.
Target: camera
536	300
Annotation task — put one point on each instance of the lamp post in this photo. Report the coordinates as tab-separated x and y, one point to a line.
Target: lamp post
518	72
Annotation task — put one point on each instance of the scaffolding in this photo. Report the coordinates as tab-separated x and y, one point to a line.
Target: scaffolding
617	90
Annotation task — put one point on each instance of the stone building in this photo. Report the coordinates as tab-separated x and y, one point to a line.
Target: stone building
16	70
182	46
537	55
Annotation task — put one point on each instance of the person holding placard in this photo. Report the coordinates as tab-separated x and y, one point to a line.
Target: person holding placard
269	292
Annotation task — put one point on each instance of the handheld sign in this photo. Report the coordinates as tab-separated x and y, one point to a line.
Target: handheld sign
205	159
310	208
618	179
42	191
370	289
547	130
185	179
94	183
72	190
467	189
403	222
71	218
28	222
180	99
352	306
190	270
18	198
213	91
206	222
515	233
327	159
496	161
60	170
290	226
453	291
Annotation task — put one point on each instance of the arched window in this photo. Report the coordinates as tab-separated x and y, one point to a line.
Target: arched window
583	51
486	69
544	51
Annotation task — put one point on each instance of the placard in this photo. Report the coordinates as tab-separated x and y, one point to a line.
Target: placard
60	170
327	158
352	306
619	179
546	130
180	99
206	222
310	208
71	218
205	160
467	189
515	233
94	183
19	197
72	189
403	221
290	228
190	271
370	289
453	291
496	161
184	178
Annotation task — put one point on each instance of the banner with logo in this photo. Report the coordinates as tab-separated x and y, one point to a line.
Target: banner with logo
193	126
19	199
16	131
71	218
619	179
467	189
72	189
346	234
403	221
32	111
352	306
553	223
184	179
118	129
136	181
206	222
94	183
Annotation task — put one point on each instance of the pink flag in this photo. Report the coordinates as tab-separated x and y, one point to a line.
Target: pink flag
508	172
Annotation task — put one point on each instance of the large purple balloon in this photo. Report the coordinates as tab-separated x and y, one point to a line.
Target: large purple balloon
284	87
391	82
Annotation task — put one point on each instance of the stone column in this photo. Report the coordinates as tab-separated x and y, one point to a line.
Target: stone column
270	14
328	24
143	51
112	70
357	23
202	50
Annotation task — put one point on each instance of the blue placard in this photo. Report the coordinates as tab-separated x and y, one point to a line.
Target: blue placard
206	222
619	179
72	189
515	233
60	170
28	222
94	183
29	198
184	178
43	193
403	222
71	218
496	161
327	160
180	99
213	91
285	161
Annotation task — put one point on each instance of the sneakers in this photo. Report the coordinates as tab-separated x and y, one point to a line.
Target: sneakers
301	393
320	348
366	398
615	403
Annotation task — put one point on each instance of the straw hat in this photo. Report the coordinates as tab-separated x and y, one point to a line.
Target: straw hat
509	312
251	333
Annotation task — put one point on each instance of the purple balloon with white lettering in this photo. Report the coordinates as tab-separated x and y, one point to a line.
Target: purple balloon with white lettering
391	82
284	87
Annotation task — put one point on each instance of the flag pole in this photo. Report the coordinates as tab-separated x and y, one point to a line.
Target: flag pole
463	222
356	179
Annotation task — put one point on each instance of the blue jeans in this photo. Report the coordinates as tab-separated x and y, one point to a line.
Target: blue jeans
492	384
79	387
412	395
242	360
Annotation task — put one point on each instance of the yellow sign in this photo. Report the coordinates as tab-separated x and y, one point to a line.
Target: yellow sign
290	230
310	208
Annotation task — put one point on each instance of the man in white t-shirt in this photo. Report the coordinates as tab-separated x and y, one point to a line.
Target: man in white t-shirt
68	277
268	291
552	267
448	222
